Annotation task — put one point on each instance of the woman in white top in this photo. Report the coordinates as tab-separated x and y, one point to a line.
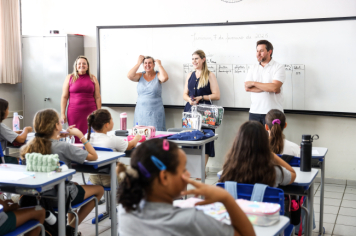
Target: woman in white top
275	124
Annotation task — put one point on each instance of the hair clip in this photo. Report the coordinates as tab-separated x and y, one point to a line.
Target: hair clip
165	145
158	163
143	170
276	121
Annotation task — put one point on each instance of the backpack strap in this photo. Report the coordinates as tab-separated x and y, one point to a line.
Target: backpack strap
258	192
231	187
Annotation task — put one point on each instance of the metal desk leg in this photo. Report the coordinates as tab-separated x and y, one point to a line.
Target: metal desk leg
61	209
113	200
322	185
203	163
310	209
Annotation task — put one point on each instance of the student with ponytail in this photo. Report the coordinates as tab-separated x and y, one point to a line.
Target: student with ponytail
47	127
102	122
6	134
156	177
275	124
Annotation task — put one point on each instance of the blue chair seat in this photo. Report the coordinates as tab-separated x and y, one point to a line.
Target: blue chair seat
28	226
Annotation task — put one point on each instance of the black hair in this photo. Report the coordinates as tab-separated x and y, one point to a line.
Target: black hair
3	106
97	120
132	190
268	45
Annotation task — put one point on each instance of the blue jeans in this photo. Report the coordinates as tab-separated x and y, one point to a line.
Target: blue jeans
257	117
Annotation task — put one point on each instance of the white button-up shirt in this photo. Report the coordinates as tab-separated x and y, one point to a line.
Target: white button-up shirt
263	102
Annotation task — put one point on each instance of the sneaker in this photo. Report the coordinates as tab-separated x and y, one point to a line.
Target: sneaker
70	231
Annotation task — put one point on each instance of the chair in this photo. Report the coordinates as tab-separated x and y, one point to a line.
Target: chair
272	195
28	226
107	190
2	155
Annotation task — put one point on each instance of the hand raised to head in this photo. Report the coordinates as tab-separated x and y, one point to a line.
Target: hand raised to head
140	59
158	62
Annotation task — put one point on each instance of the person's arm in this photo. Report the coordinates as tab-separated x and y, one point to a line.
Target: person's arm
186	91
274	87
21	138
132	75
162	74
133	142
239	220
214	87
92	155
97	95
64	99
9	207
281	162
253	89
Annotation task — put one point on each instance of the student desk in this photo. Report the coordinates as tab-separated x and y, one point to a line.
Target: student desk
105	159
319	154
304	186
41	183
195	157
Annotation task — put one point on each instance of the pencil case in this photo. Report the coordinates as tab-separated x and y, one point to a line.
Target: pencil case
147	131
42	163
260	213
130	137
211	115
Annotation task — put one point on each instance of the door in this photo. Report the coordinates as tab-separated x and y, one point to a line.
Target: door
54	70
32	77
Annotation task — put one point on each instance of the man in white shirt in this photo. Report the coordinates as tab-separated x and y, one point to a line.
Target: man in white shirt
264	80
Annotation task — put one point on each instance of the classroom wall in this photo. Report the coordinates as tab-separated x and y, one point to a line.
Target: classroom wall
82	17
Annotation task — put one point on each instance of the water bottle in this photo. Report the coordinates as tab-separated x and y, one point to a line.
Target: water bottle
123	121
51	219
306	153
16	122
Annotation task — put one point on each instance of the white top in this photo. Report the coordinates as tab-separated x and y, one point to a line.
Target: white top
108	141
291	148
262	103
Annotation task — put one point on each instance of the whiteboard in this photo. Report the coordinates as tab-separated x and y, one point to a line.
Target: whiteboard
318	59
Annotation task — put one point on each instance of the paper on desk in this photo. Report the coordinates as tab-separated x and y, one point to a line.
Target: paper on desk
315	152
14	175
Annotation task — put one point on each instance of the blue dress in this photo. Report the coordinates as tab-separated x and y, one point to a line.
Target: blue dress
194	91
149	109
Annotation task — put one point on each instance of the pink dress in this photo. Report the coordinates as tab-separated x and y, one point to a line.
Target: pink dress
81	103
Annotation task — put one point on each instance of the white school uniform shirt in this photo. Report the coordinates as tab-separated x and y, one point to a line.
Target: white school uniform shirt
108	141
262	103
291	148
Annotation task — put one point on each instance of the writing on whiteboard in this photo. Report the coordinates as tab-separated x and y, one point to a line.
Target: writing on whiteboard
227	37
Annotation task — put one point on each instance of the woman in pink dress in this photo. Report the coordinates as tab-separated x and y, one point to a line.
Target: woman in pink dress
82	90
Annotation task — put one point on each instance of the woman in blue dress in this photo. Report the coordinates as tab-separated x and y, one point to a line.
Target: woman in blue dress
149	109
201	86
